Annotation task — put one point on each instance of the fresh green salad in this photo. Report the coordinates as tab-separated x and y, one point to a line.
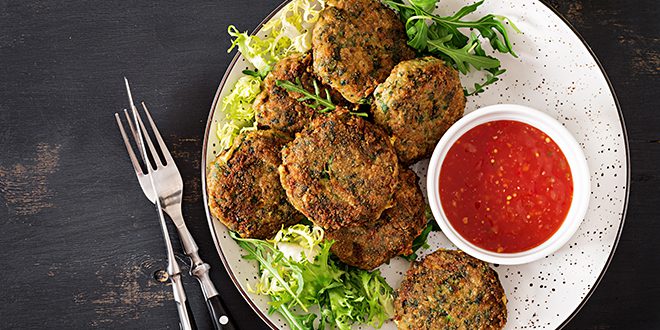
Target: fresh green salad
287	33
237	108
305	285
428	33
308	288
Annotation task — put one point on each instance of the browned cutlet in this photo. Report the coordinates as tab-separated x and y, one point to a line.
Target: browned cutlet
356	43
340	170
369	245
277	108
244	186
417	103
449	289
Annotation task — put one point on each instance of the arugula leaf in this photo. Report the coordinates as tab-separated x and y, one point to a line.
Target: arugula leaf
491	78
319	103
419	32
465	11
426	5
489	26
441	36
344	295
421	241
258	250
465	57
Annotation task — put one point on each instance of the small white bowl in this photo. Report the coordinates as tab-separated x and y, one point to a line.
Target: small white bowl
567	144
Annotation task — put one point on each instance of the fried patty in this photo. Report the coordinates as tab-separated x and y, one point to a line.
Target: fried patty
277	108
244	186
340	170
416	104
369	245
449	289
356	44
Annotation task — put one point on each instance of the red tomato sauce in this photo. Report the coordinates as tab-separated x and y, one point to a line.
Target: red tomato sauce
505	186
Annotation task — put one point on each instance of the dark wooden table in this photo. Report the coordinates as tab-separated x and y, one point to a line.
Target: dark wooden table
80	243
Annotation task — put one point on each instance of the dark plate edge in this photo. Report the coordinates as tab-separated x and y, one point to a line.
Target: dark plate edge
625	139
212	223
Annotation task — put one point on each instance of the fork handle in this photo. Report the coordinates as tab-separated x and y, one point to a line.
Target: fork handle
186	317
217	309
219	314
200	270
191	317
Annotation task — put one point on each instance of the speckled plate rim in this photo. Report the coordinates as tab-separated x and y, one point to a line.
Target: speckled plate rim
627	148
213	223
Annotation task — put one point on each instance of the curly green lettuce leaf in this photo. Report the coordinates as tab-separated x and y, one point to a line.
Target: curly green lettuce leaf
238	111
289	32
282	283
343	295
299	242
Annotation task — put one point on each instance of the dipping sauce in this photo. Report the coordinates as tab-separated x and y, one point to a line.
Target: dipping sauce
505	186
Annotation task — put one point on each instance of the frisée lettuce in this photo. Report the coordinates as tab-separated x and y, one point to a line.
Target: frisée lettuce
287	33
308	288
237	108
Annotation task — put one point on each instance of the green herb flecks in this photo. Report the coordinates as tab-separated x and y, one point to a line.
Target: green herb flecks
441	36
255	73
359	114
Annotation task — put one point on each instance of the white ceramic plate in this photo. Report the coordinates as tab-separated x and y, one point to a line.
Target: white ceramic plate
557	73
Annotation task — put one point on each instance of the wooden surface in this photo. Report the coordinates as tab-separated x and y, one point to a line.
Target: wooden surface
80	243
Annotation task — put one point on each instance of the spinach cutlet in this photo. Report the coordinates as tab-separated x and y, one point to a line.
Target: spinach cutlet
244	186
340	170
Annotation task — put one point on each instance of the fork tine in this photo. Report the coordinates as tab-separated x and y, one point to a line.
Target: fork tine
130	96
147	137
127	143
163	147
145	134
130	125
137	140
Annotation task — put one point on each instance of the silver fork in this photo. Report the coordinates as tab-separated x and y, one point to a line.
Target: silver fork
170	190
186	319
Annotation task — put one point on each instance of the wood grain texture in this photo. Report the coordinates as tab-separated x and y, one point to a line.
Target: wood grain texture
80	243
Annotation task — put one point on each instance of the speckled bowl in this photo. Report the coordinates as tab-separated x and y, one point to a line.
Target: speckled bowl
565	141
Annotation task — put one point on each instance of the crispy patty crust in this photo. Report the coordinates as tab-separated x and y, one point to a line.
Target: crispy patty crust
340	170
356	44
369	245
416	104
449	289
277	108
244	186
